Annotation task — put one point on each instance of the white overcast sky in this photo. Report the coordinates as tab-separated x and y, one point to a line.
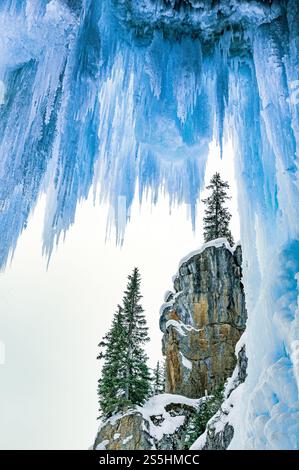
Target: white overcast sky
51	321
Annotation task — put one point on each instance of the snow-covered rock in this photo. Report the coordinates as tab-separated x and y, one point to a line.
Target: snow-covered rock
159	424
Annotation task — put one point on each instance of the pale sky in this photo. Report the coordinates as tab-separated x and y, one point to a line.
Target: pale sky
51	321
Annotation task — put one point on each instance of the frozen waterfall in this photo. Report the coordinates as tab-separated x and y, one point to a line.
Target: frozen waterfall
126	96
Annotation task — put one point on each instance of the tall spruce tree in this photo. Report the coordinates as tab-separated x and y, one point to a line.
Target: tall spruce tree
137	379
125	378
158	379
217	216
111	386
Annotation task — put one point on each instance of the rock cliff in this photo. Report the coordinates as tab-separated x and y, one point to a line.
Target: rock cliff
203	320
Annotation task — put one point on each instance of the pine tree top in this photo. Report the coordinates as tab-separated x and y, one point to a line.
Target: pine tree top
217	216
133	284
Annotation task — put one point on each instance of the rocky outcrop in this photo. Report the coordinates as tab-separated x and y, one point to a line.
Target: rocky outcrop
203	320
164	421
220	430
126	432
160	424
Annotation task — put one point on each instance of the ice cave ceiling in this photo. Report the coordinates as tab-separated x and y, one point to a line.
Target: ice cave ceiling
114	92
128	95
204	19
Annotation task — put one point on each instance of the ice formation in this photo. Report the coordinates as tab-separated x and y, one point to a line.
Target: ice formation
127	95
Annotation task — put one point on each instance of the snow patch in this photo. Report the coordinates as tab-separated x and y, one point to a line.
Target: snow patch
217	243
102	445
169	303
127	439
177	325
155	406
180	327
186	362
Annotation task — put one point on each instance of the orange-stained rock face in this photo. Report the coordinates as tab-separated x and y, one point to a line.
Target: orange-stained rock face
203	321
200	314
174	316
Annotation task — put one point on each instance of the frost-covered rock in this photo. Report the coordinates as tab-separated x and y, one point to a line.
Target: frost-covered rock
159	424
203	321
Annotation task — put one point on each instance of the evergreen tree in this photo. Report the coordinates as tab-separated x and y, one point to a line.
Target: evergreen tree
137	380
111	388
158	379
125	378
217	216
